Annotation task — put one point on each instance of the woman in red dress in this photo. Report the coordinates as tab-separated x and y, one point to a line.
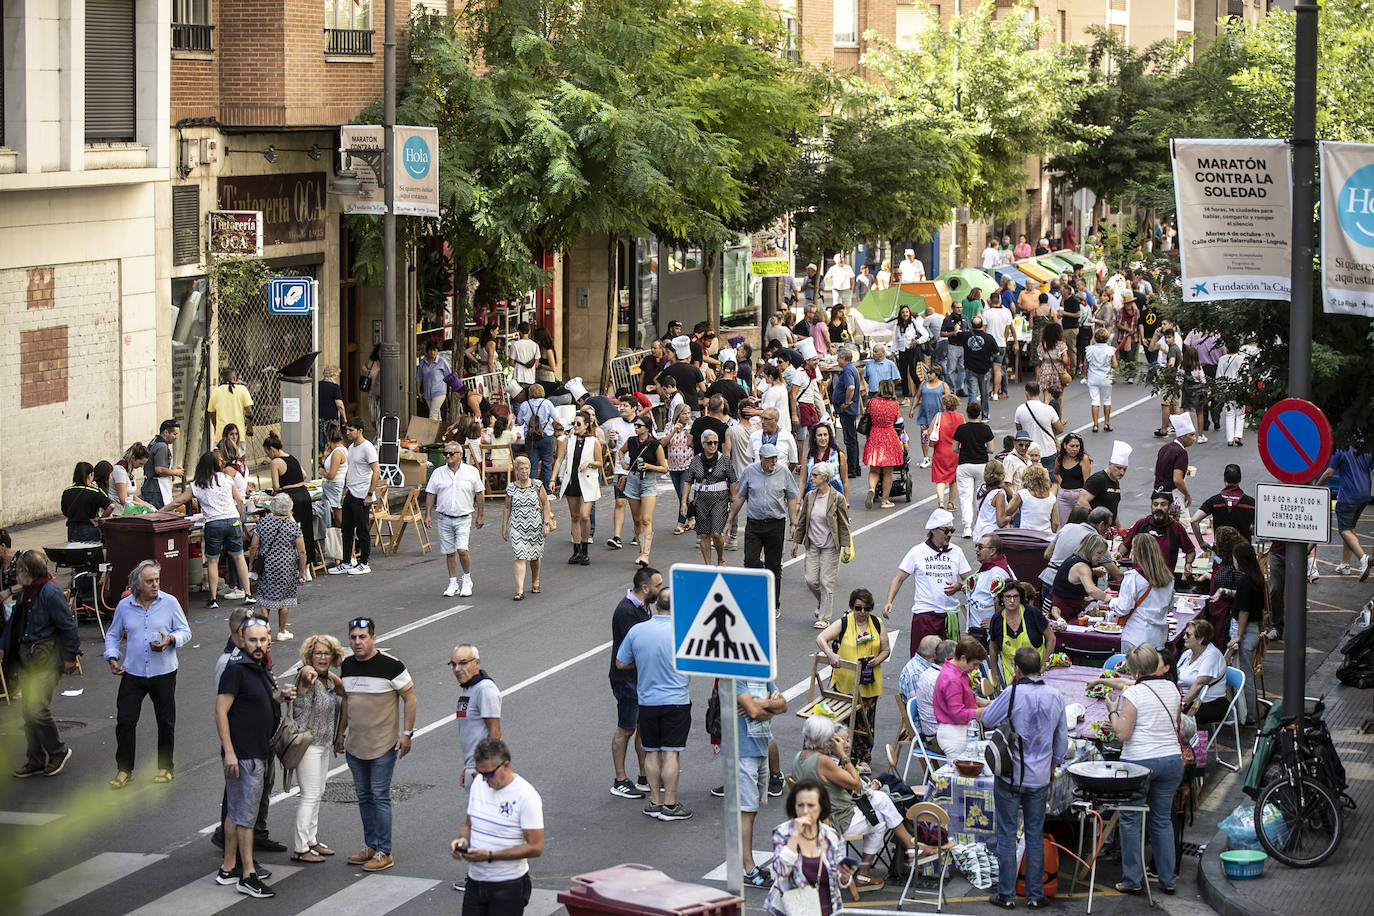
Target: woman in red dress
944	461
882	449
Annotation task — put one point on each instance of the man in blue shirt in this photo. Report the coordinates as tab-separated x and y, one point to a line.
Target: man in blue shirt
844	395
757	703
429	379
665	707
1037	715
1352	496
152	625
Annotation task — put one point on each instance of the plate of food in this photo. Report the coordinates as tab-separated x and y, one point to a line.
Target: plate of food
1105	627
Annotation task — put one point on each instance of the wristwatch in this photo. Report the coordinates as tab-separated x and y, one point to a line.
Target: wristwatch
409	733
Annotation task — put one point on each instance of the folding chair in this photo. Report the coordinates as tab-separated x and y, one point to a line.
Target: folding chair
843	707
1235	682
930	760
942	857
409	515
381	520
905	730
497	465
4	688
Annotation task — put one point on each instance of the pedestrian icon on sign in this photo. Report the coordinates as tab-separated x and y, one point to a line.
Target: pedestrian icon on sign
722	618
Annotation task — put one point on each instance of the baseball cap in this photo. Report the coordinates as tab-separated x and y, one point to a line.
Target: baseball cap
768	450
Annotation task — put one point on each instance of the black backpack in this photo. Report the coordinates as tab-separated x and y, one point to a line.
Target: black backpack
713	714
1005	749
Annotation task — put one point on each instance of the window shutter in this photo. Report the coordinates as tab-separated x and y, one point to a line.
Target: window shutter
186	224
110	56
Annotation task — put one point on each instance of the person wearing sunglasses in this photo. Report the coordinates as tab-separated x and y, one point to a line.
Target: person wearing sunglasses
479	706
643	458
502	806
937	572
858	637
455	491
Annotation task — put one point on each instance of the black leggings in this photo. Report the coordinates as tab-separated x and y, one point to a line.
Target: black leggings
302	511
907	361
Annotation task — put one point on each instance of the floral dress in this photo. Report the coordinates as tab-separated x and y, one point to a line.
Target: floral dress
710	484
526	521
882	448
277	546
1052	362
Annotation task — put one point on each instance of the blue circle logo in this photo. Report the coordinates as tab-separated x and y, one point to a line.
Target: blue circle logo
415	157
1356	203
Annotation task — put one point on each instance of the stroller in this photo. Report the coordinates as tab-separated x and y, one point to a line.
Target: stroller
901	474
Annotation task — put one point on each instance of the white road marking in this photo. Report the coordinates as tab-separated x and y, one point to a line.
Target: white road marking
203	897
761	857
372	896
80	880
27	818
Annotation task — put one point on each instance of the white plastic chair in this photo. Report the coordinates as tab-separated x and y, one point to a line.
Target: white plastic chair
929	759
1235	681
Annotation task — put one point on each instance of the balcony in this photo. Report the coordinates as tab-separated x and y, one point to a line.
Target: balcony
349	42
191	36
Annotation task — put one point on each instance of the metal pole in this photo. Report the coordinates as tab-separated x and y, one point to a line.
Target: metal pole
391	350
1300	333
729	746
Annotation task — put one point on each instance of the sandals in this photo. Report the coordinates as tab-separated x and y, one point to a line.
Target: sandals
122	779
163	777
820	624
1107	427
320	849
680	529
534	589
308	856
867	882
518	596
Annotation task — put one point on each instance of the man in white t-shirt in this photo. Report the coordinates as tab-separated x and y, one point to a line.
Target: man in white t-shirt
524	355
839	281
479	707
455	492
362	476
911	270
622	428
1042	422
997	320
503	829
990	254
937	570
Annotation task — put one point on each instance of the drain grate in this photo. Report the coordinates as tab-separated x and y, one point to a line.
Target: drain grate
1194	849
66	725
340	791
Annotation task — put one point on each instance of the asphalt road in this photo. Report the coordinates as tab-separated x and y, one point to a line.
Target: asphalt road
146	849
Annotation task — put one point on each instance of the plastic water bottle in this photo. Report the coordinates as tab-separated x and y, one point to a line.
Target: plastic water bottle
971	734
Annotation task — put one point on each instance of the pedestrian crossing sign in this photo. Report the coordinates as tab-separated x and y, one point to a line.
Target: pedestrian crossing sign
723	621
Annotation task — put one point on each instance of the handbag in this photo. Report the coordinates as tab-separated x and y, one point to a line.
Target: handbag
802	901
1189	758
365	382
290	742
865	424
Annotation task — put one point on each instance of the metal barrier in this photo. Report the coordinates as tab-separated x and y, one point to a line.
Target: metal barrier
625	371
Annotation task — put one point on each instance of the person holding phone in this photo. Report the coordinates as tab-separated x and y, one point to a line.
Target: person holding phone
807	852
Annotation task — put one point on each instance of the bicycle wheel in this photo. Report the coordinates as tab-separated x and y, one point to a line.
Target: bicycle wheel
1304	824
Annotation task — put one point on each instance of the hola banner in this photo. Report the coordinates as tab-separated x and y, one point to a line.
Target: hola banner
1234	201
1347	246
768	250
417	171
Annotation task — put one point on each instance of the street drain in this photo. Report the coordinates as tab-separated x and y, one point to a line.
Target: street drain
340	791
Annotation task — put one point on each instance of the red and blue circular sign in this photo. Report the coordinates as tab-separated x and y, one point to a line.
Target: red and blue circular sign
1295	441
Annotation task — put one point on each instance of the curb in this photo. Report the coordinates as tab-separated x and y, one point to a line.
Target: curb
1217	890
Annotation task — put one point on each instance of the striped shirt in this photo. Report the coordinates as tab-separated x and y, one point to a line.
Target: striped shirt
374	690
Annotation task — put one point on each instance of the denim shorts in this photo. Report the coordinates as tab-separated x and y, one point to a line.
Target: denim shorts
453	533
223	535
1348	515
640	486
244	791
626	705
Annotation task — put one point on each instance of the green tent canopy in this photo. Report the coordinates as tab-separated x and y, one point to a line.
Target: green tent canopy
882	304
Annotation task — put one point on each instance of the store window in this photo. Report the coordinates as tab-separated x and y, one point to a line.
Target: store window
682	259
645	305
737	307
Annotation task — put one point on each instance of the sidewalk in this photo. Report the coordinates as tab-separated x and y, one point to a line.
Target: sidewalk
1344	884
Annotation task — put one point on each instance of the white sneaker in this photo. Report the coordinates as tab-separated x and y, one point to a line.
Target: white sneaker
1364	567
283	635
233	594
1201	438
925	462
451	590
1343	569
465	589
361	569
340	570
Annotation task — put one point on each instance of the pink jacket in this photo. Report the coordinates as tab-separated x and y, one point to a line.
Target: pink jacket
954	700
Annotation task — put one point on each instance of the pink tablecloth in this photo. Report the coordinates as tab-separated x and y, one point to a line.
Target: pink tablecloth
1070	683
1086	639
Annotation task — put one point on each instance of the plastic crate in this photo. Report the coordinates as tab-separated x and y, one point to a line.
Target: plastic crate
1243	864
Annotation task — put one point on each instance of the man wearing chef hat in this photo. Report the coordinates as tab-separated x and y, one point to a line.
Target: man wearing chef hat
1103	488
689	378
937	570
1171	464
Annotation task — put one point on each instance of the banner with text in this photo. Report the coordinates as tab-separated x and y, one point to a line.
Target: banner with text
768	255
357	141
417	171
1234	201
1347	246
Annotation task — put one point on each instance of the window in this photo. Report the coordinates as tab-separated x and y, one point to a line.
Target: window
186	224
911	22
348	27
191	26
110	71
846	22
793	49
683	259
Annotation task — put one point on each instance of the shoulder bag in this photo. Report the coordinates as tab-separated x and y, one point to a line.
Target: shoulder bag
1122	618
1184	748
289	743
1004	747
802	901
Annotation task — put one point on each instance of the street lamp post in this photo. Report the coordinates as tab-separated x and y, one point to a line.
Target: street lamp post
391	350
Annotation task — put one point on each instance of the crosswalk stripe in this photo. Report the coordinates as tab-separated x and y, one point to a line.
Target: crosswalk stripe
27	818
542	903
761	857
203	897
80	880
372	896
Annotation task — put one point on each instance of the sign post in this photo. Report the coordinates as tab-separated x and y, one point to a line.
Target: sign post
723	627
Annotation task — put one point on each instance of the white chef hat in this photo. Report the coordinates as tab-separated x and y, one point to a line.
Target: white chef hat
1182	424
576	388
806	348
1121	453
940	518
725	354
682	346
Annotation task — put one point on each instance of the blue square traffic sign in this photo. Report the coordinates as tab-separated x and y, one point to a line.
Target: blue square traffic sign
723	621
290	296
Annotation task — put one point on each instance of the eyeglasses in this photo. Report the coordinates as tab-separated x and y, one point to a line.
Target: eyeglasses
461	662
488	774
947	530
451	454
861	607
982	546
364	622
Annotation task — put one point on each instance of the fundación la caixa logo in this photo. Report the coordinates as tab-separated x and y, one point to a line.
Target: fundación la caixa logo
415	157
1357	207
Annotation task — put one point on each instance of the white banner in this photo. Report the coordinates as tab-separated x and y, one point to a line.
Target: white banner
1347	231
363	137
1234	201
417	171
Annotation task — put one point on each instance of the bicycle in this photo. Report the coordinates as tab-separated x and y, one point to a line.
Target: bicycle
1298	814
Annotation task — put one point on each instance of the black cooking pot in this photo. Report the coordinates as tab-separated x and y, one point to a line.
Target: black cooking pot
1109	777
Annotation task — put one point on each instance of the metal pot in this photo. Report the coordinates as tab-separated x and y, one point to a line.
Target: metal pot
1104	777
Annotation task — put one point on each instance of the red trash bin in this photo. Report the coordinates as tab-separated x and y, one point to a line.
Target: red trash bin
160	536
1024	549
639	890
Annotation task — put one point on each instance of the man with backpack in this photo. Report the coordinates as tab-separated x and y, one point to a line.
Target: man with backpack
1032	739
